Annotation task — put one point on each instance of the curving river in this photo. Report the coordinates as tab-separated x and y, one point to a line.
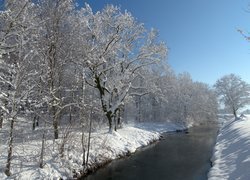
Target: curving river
178	156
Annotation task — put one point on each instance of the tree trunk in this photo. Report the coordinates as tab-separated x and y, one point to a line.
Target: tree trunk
115	121
34	123
235	114
83	149
65	138
70	115
119	117
42	151
1	120
55	123
37	121
10	148
108	115
90	126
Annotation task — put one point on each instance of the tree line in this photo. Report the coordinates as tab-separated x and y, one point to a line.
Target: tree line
65	68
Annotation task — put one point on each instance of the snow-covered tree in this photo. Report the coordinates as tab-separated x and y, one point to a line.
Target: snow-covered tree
71	70
181	100
118	46
17	61
204	103
145	90
55	52
233	92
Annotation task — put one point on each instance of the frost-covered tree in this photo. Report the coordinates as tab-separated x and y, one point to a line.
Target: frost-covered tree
73	70
181	100
233	92
204	103
177	93
55	52
118	46
17	59
144	87
168	95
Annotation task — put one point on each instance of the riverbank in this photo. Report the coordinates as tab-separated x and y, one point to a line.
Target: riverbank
231	158
176	156
104	148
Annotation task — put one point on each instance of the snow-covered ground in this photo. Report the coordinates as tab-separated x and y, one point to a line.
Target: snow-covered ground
231	159
104	147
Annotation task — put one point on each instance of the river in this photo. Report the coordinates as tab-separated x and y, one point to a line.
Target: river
178	156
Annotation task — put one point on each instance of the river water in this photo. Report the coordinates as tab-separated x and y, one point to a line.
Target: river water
178	156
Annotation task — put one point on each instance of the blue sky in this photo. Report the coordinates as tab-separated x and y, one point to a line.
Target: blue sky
201	34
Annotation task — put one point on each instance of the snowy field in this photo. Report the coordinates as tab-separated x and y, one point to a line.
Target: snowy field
231	159
104	147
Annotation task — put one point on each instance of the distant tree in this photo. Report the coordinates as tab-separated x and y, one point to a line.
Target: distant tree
204	103
233	92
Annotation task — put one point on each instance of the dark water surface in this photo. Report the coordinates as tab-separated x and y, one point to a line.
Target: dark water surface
178	156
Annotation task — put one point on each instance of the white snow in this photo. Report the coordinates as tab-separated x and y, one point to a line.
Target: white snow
104	147
231	158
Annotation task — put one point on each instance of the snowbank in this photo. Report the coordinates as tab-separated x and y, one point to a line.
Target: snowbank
231	159
104	148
